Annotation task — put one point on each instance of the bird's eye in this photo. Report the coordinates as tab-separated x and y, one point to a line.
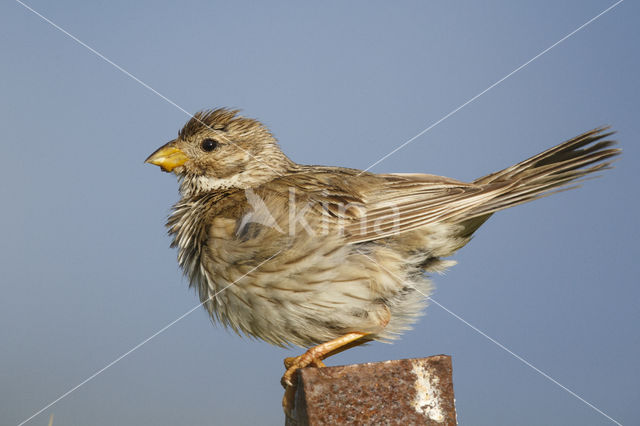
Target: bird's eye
208	145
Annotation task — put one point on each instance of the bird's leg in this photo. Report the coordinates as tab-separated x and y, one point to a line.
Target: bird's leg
316	354
314	357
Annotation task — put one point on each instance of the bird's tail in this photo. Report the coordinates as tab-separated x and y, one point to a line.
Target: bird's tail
557	169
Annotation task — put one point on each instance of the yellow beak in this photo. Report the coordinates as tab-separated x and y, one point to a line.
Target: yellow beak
168	157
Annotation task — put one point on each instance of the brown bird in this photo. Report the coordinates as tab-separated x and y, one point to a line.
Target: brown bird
330	257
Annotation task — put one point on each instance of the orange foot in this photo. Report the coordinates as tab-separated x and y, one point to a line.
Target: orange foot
313	357
293	363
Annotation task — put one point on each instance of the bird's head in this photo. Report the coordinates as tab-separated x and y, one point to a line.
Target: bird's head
218	149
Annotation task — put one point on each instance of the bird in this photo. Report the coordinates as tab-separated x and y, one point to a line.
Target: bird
327	258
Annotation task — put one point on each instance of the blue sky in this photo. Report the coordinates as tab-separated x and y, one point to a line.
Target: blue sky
87	271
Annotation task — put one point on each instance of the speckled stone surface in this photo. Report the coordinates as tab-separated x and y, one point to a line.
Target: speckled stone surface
400	392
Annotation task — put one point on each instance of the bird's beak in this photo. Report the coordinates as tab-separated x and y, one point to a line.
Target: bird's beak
168	157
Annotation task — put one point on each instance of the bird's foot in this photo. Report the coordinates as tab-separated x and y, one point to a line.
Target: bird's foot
312	357
292	365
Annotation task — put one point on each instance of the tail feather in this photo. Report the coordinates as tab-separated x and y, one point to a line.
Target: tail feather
564	153
554	170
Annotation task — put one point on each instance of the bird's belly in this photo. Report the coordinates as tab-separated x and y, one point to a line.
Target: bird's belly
316	293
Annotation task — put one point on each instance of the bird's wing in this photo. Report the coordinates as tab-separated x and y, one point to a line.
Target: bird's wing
366	207
404	202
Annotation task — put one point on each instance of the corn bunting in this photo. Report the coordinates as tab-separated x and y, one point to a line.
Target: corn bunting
330	257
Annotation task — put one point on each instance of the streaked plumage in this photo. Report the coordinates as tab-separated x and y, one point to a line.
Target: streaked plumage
356	262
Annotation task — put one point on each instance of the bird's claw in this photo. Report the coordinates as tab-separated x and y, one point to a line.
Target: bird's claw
292	364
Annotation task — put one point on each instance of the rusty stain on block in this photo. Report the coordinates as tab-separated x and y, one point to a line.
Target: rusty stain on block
402	392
